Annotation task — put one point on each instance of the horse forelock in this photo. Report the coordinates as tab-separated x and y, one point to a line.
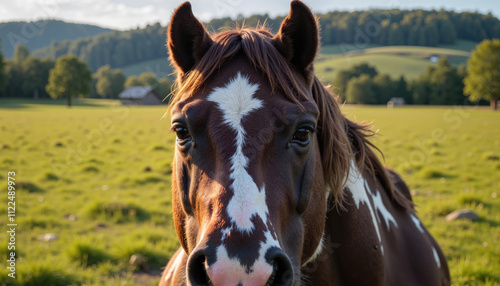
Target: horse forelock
256	45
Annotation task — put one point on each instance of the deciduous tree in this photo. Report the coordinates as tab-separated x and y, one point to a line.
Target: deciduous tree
69	78
21	53
483	77
36	73
109	82
133	80
360	90
343	77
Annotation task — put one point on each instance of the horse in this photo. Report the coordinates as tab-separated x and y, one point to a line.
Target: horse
271	183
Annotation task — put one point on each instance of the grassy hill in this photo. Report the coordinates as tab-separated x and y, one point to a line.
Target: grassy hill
42	33
410	61
160	66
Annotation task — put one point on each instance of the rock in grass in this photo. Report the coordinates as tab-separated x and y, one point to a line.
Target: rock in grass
101	226
147	169
139	262
462	214
47	237
71	217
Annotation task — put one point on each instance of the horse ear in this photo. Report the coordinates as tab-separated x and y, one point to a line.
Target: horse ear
298	37
187	38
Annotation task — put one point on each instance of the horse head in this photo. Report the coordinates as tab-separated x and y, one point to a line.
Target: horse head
261	147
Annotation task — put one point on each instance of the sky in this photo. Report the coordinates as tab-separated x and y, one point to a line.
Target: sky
129	14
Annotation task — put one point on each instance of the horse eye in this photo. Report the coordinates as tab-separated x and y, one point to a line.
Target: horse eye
182	133
302	135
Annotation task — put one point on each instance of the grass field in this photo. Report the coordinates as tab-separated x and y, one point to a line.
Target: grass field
160	67
410	61
98	176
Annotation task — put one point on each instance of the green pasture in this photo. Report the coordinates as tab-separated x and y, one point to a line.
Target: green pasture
98	176
160	66
410	61
326	68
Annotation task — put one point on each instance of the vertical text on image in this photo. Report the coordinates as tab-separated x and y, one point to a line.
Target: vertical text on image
11	225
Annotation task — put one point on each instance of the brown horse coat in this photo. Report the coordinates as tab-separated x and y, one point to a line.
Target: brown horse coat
272	185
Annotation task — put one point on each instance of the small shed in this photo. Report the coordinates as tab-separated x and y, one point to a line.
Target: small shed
140	95
396	101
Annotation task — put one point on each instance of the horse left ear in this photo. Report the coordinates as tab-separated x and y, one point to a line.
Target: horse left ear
298	37
187	40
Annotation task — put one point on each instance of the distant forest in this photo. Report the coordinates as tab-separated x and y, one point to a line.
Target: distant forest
39	34
380	27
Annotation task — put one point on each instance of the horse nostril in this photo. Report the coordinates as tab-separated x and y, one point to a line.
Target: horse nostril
197	273
282	274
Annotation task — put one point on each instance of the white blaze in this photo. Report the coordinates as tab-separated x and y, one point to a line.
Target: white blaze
235	100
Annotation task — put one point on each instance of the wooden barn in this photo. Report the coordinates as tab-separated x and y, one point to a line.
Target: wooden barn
396	101
140	95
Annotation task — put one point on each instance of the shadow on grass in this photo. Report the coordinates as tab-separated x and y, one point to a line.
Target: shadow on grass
86	253
29	187
117	211
491	223
17	103
432	173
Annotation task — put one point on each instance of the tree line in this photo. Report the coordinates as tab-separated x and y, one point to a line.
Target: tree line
28	76
440	85
443	84
39	34
381	27
116	49
403	27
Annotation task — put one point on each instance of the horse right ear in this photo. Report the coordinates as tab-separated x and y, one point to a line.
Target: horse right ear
187	40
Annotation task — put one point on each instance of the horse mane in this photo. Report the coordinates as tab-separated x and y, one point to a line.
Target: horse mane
359	146
339	138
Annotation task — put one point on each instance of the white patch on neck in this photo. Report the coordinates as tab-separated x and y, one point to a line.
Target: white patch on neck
417	223
318	250
176	264
321	244
358	187
380	207
436	257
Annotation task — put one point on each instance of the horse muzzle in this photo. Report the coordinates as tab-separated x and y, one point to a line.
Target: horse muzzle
276	270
